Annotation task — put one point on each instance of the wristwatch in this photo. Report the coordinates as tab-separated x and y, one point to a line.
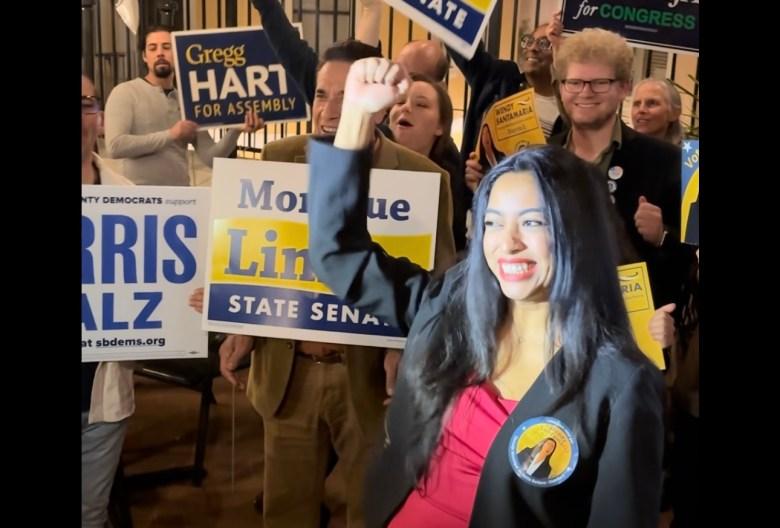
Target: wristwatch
666	232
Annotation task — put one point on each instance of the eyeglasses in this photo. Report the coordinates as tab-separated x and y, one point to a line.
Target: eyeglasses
596	85
543	43
90	104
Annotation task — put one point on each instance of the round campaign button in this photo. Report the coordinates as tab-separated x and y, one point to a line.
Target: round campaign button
615	173
543	451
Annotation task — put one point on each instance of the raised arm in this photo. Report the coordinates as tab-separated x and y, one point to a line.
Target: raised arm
298	58
340	247
367	30
478	69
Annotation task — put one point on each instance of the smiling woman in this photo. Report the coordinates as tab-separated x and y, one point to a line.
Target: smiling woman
516	242
655	110
528	338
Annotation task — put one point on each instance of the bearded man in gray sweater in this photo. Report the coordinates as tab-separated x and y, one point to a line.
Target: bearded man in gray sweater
144	127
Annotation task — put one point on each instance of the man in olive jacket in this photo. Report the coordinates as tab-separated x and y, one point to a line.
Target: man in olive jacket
314	397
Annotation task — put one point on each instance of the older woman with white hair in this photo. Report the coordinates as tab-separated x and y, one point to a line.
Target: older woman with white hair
656	109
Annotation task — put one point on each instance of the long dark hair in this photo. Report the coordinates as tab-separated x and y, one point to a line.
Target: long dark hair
587	312
539	445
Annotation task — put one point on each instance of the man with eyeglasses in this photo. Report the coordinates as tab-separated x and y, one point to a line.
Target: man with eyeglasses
536	63
144	125
94	170
492	79
642	173
107	399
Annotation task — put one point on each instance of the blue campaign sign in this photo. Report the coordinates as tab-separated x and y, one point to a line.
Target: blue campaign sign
689	227
142	249
459	23
224	73
255	304
669	25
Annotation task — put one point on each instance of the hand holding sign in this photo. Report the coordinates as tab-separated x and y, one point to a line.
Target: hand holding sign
554	30
183	130
196	300
252	123
662	325
474	172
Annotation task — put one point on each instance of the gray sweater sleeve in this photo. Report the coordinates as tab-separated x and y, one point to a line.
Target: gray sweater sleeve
120	143
207	150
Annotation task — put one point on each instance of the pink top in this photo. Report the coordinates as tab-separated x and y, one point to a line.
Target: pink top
448	498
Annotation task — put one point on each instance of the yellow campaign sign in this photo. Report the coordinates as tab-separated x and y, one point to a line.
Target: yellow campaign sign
272	252
481	5
635	285
259	277
510	125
